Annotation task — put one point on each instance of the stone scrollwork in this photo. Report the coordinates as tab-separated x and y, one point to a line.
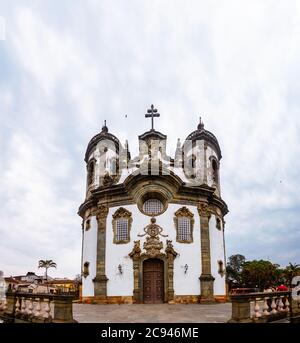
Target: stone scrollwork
136	251
170	252
204	210
102	211
153	229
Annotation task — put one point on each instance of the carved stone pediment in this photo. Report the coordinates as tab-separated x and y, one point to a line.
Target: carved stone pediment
184	212
122	213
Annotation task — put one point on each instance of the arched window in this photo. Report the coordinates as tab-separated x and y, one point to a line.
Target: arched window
86	271
221	269
122	221
91	172
184	222
87	224
214	170
218	223
190	166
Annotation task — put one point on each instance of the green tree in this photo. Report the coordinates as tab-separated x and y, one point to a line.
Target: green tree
290	271
234	269
47	264
259	274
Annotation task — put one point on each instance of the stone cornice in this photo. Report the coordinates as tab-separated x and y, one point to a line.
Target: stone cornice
122	194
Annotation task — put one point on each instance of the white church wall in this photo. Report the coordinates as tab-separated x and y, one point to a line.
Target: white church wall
216	254
90	255
184	283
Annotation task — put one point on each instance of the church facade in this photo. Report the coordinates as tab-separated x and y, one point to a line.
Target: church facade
153	225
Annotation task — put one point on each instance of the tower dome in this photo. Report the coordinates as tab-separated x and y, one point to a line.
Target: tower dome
202	134
103	135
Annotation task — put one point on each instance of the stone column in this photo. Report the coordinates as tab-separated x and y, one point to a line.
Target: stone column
170	263
206	279
100	280
136	280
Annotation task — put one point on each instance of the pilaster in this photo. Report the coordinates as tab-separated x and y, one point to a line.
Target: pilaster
100	281
206	279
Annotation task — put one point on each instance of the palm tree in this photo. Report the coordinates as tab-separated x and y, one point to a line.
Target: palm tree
47	264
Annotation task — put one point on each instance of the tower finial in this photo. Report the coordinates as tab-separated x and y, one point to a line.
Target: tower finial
104	127
201	124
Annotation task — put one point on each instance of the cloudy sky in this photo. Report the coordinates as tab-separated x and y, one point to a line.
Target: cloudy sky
65	66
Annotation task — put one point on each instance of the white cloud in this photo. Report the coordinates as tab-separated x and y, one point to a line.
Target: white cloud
235	63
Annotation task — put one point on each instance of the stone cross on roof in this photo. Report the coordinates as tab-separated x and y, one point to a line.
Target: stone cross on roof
151	113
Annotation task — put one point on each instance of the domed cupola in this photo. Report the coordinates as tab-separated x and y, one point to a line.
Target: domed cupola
102	158
102	136
202	134
201	158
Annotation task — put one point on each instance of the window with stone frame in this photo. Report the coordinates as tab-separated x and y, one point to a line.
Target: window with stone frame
122	220
184	224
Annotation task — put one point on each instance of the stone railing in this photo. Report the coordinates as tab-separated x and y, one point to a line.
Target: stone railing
37	308
263	307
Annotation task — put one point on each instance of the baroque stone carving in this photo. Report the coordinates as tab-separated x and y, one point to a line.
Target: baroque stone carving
204	210
153	229
107	180
102	212
171	253
136	251
153	246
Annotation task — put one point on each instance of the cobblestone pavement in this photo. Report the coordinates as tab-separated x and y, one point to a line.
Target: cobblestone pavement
155	313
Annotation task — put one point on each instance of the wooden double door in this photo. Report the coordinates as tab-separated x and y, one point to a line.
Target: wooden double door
153	281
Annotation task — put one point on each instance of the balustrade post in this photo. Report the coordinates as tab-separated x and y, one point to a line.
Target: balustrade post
257	309
266	307
240	309
38	308
63	309
23	305
10	304
17	306
47	309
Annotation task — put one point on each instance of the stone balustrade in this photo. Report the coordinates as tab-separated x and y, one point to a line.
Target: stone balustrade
264	307
37	308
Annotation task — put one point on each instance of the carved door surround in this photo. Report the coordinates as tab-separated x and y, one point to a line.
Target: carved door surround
153	247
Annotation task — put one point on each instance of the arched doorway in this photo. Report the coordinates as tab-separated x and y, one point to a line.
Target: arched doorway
153	281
